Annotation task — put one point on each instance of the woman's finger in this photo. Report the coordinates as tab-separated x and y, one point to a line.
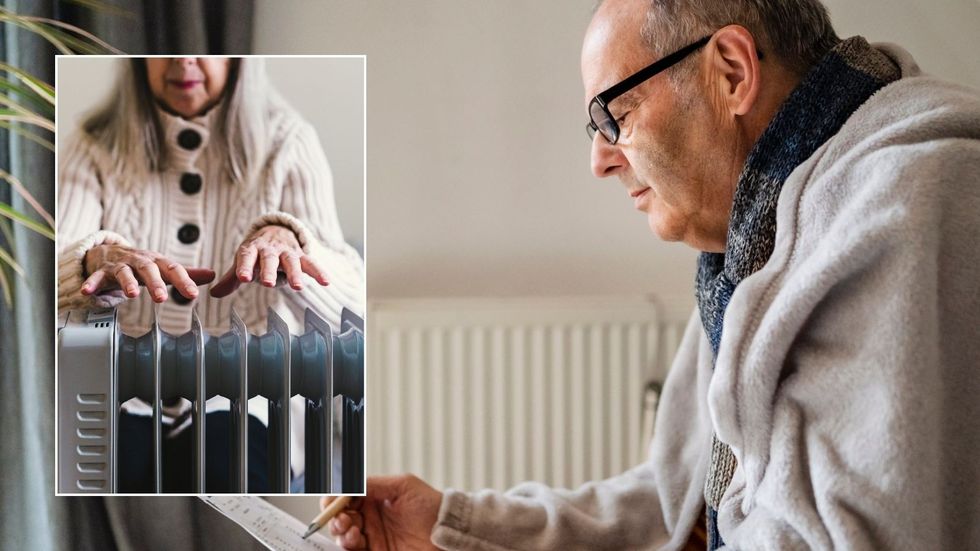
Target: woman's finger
289	261
202	275
245	262
226	285
177	275
93	283
313	269
123	275
269	265
150	274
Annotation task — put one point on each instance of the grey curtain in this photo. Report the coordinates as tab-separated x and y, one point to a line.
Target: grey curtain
169	26
31	517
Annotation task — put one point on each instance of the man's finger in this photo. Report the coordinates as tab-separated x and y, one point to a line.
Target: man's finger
226	285
93	283
245	262
123	275
312	268
344	521
338	524
352	539
381	488
294	271
355	518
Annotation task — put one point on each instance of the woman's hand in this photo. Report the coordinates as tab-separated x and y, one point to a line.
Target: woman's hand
120	267
397	513
263	254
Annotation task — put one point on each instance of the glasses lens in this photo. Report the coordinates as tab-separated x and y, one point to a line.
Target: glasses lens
604	122
590	130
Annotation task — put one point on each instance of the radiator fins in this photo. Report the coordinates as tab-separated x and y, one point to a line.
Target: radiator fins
100	368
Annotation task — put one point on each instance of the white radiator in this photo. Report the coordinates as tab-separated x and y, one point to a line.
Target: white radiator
487	393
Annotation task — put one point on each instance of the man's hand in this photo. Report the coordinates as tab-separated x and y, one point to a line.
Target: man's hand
397	514
263	254
119	267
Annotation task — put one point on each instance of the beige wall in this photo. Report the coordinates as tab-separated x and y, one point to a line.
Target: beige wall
328	92
478	179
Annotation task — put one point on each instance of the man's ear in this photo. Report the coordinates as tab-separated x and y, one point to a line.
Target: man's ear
734	68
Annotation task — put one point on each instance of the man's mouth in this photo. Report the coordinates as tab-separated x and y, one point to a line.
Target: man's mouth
639	198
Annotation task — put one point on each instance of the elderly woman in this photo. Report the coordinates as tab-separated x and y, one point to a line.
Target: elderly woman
195	165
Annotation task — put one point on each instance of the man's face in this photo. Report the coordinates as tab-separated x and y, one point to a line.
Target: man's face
188	86
670	153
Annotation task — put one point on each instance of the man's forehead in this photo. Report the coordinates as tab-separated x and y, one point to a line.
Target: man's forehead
613	48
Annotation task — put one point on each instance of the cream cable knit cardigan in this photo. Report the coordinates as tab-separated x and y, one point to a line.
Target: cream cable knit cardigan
296	190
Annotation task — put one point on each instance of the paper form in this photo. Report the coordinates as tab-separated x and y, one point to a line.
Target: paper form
268	524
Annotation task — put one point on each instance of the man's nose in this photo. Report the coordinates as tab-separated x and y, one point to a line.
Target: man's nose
185	61
607	159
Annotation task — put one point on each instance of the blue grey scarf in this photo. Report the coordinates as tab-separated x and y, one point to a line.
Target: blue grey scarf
833	89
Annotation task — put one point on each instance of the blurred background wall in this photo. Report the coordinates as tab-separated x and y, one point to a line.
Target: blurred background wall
478	169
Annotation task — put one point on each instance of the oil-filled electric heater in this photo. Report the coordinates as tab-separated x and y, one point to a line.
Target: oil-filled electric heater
100	368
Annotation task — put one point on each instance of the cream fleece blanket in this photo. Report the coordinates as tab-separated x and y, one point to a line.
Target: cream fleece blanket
848	376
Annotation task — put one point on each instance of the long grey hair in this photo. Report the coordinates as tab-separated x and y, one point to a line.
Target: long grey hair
128	127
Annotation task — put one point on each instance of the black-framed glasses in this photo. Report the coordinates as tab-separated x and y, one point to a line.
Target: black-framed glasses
601	120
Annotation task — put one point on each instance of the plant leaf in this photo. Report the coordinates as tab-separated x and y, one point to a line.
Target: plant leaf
27	94
11	115
43	89
98	5
46	27
9	259
24	22
75	44
22	191
6	230
13	105
79	31
9	212
15	127
5	286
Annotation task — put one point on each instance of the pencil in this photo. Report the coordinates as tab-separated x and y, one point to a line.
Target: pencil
336	506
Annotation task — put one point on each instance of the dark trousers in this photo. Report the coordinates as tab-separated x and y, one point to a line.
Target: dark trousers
135	445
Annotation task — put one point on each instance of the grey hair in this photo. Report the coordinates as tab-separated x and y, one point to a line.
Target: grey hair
797	32
128	127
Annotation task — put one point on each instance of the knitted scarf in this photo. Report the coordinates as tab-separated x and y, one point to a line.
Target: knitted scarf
833	89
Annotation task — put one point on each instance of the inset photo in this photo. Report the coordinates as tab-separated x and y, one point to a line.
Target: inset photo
211	277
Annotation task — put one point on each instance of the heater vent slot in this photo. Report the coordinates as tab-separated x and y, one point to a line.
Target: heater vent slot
92	485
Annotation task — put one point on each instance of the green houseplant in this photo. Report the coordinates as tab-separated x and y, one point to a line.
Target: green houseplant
27	109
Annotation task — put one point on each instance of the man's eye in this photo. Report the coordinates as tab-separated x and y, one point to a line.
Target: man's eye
622	118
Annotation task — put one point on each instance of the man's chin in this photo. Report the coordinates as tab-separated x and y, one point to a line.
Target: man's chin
663	229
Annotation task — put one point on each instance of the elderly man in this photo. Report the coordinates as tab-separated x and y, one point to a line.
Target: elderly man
825	393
